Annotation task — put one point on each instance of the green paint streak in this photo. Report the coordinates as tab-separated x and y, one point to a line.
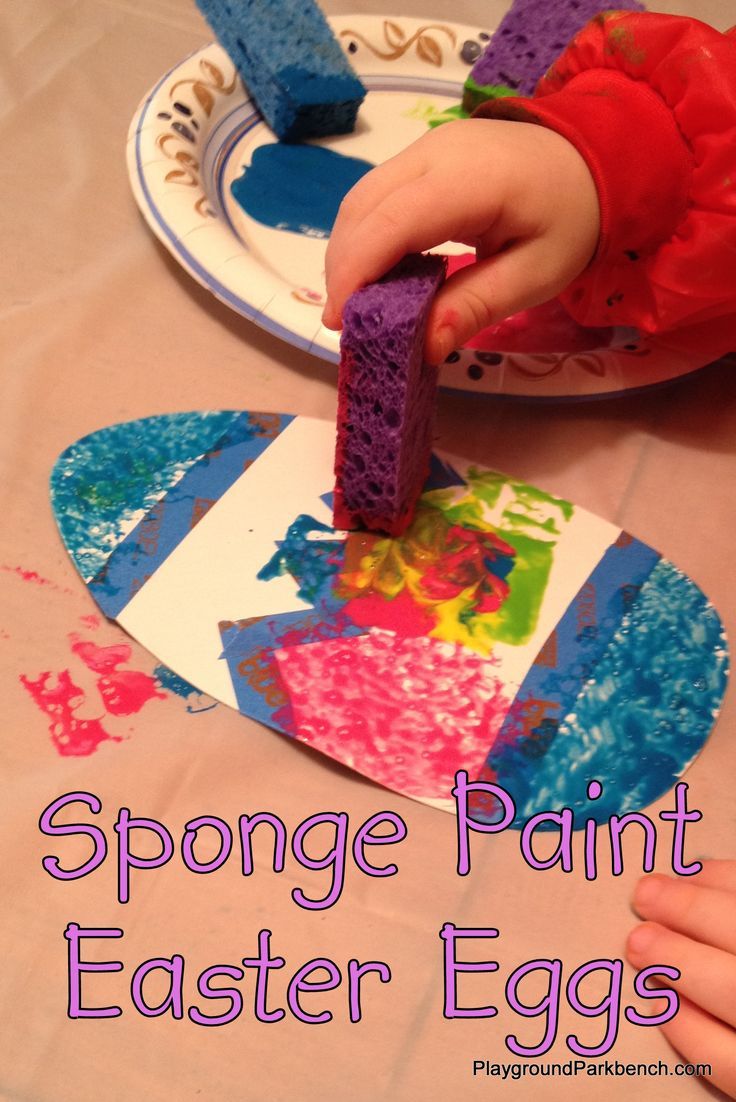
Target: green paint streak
474	94
468	514
487	485
529	524
448	115
519	520
516	620
531	496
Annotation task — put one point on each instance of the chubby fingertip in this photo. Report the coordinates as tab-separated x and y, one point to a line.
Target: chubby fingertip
441	341
640	941
647	892
331	317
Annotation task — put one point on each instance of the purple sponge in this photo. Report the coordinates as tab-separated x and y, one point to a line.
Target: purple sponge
386	398
532	35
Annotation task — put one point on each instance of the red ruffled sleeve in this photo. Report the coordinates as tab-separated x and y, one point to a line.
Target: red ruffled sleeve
650	102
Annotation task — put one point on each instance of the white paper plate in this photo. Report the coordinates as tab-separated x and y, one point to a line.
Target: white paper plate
197	129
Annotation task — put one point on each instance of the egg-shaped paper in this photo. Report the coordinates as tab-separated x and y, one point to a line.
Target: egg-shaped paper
507	632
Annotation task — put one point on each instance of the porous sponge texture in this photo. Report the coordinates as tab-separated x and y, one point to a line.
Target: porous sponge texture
386	399
532	35
291	64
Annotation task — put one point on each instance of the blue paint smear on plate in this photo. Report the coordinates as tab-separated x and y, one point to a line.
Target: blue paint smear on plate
640	719
297	187
102	485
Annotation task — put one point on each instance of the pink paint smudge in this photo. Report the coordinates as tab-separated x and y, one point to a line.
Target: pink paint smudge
123	693
72	737
90	622
401	614
406	712
35	578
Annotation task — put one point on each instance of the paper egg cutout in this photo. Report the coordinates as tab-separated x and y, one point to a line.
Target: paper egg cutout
509	632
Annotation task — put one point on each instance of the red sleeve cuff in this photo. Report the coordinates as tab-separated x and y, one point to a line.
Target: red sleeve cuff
639	160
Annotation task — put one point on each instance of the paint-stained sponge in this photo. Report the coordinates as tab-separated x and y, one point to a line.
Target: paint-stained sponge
386	398
531	35
291	64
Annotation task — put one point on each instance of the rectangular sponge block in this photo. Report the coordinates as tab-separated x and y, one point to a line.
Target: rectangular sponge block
291	64
531	35
386	398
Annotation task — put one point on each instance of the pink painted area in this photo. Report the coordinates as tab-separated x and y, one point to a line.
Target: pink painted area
34	578
100	659
407	712
123	692
91	622
400	614
545	328
72	736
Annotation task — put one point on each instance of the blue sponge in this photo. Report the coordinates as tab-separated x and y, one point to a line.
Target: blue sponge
291	64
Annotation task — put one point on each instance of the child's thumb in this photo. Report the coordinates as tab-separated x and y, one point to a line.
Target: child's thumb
488	291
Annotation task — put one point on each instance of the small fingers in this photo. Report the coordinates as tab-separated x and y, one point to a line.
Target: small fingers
365	196
702	1039
705	914
486	292
410	219
346	260
707	975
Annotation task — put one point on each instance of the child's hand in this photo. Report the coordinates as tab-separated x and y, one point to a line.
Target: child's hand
520	194
692	926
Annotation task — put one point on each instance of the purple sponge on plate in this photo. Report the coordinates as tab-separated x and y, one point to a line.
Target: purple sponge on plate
532	35
386	398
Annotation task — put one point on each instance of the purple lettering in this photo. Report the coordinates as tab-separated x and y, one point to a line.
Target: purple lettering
190	836
356	972
52	865
74	933
672	998
449	934
609	1005
264	962
299	983
173	1001
127	860
681	817
208	992
365	837
563	853
334	858
247	824
465	822
549	1005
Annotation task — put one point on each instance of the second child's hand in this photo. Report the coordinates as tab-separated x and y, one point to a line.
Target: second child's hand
691	925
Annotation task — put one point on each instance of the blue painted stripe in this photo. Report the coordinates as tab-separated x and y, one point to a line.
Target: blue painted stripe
169	520
572	653
640	719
